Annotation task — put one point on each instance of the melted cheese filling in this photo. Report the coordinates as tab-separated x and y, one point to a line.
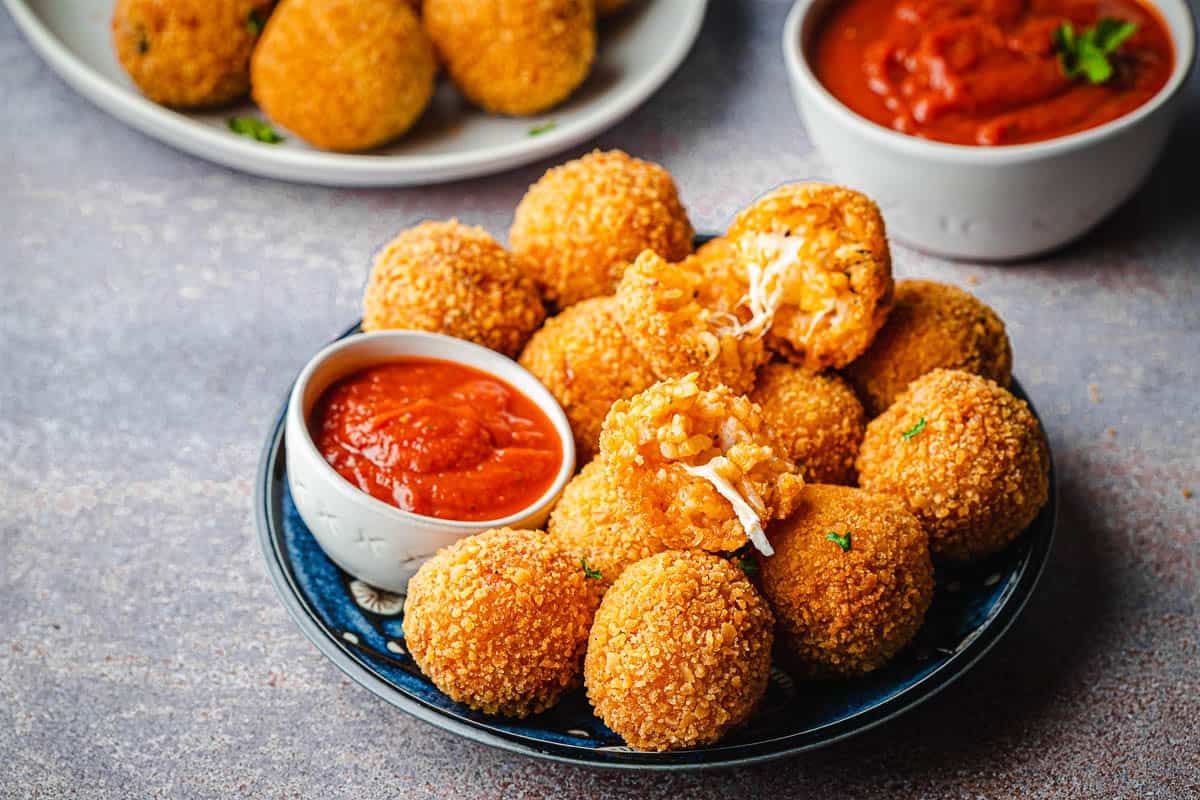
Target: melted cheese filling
746	514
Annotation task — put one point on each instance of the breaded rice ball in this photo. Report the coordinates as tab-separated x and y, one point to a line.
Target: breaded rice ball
680	651
449	278
723	288
590	524
585	361
189	53
816	416
583	222
499	621
847	608
931	325
965	456
698	468
514	56
818	271
344	75
658	309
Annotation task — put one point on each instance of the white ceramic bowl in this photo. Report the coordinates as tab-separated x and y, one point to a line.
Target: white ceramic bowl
366	537
989	203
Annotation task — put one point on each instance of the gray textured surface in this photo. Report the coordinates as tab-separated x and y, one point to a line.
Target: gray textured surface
153	309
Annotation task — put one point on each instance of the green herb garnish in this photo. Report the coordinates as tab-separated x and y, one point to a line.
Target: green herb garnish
254	22
914	430
254	128
842	541
545	127
1087	53
588	572
748	565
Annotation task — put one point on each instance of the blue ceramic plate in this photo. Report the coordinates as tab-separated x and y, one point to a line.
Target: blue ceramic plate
361	630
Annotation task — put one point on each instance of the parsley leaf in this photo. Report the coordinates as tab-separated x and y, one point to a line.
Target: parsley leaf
545	127
914	430
254	22
1087	53
748	565
842	541
588	572
254	128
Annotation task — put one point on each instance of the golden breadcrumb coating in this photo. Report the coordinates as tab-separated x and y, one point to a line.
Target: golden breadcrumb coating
975	472
500	621
344	75
847	612
653	442
582	223
723	288
659	311
590	524
816	416
825	270
514	56
189	53
931	325
449	278
585	361
680	651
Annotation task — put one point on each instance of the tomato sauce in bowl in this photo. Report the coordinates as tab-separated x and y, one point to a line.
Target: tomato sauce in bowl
984	72
438	439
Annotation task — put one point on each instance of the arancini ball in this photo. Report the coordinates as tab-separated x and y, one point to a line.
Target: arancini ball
189	53
584	221
499	621
514	57
344	75
965	456
818	271
585	361
846	607
931	325
698	468
816	417
680	651
454	279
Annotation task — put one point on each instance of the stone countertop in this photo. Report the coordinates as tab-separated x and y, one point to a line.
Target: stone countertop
154	307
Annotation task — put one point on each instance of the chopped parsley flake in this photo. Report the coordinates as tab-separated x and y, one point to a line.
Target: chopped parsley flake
1087	53
545	127
588	572
254	22
254	128
914	430
842	541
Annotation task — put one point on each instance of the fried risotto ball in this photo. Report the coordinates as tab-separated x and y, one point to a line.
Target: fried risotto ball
499	621
931	325
723	288
698	468
590	524
816	416
845	611
583	222
965	456
659	310
818	271
585	361
189	53
344	75
514	57
680	651
454	279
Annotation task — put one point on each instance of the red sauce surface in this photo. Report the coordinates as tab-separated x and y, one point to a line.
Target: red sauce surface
983	72
438	439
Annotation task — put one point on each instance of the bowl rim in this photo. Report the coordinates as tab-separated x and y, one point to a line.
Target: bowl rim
802	76
413	343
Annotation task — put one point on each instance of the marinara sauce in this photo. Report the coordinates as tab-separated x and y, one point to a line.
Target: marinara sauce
984	72
437	438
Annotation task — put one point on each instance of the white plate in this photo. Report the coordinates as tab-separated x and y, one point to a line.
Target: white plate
638	51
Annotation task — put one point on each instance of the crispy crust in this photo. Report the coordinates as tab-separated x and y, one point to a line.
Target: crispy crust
931	325
846	257
514	56
500	621
188	53
449	278
582	223
847	612
585	361
816	416
680	651
648	439
977	473
344	75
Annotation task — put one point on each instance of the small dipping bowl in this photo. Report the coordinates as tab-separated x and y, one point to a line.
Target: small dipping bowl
368	538
987	203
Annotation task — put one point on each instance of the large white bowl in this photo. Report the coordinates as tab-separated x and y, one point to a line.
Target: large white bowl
990	203
366	537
